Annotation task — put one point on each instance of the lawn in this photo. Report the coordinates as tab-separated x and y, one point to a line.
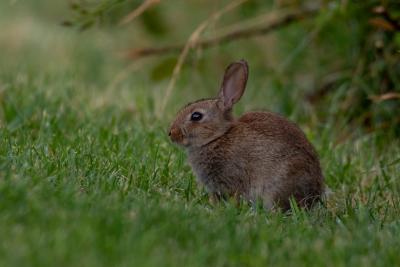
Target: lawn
88	176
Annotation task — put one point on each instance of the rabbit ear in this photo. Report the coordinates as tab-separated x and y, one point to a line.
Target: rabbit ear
234	83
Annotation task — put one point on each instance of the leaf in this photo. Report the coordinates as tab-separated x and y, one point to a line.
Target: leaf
397	39
154	22
74	6
67	23
164	69
86	25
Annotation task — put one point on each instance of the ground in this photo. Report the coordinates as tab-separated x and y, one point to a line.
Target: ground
88	176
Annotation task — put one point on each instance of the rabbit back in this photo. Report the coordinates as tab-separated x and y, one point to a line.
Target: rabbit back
263	157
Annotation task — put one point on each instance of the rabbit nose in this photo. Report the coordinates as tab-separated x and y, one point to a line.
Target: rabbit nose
175	134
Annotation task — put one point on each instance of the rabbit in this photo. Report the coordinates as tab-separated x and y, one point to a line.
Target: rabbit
260	157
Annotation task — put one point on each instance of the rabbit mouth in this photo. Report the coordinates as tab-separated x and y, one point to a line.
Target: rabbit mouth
178	136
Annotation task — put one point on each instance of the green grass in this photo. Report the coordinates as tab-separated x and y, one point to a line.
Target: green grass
89	178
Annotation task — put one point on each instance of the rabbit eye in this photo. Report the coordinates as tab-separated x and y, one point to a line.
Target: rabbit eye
196	116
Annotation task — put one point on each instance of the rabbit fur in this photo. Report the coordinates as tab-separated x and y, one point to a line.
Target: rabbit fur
260	156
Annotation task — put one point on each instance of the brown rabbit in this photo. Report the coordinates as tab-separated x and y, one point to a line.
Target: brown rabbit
260	156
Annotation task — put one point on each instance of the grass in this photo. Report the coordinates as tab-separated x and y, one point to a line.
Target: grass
89	178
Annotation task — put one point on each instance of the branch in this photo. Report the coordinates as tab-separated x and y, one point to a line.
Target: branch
193	39
248	32
384	97
138	11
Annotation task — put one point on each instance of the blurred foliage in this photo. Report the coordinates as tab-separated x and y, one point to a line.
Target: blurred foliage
89	13
350	50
